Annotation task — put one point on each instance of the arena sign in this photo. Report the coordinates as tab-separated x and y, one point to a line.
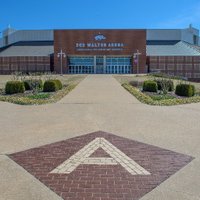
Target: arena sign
100	46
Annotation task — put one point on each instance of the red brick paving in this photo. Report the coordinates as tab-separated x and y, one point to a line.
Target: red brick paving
100	153
105	182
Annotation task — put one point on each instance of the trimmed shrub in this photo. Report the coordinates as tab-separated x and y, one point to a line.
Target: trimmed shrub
168	83
14	87
59	83
50	86
33	84
150	86
185	90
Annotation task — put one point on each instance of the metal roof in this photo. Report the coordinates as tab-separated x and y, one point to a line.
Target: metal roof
178	49
27	51
154	48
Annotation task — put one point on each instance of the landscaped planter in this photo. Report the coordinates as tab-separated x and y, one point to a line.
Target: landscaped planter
144	98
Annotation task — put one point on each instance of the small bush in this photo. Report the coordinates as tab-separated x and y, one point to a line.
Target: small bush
185	90
169	84
150	86
50	86
59	84
14	87
33	84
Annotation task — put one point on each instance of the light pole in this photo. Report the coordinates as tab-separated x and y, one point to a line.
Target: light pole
61	55
136	59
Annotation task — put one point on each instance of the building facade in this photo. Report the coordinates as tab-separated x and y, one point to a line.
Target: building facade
122	51
100	51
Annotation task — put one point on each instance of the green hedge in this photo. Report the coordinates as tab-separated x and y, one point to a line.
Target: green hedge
31	84
168	83
150	86
185	90
52	85
14	87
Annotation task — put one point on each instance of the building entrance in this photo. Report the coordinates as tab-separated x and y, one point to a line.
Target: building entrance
99	65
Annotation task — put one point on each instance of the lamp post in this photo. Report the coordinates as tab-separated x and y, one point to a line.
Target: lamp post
136	59
61	55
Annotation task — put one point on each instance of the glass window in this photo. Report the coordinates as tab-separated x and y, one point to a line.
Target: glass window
117	65
81	65
114	65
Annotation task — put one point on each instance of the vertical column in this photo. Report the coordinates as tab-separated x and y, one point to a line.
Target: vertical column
192	71
133	65
66	65
184	66
175	66
104	64
95	64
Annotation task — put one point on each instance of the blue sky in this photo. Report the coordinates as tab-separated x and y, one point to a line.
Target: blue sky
80	14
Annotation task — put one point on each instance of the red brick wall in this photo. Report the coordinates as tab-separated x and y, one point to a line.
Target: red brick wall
67	40
24	64
185	66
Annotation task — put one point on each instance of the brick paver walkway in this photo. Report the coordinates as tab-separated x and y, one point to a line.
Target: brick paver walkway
135	170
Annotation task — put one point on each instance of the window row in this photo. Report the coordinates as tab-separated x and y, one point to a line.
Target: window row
81	69
118	61
90	61
118	69
108	70
73	61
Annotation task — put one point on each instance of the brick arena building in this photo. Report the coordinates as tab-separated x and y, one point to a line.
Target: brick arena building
122	51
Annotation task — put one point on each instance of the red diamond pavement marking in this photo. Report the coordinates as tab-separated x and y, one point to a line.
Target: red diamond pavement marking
101	182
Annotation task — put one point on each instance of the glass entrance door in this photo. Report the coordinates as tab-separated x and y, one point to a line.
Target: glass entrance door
99	65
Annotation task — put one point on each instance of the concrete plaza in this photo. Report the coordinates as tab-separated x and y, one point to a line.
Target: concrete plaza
98	103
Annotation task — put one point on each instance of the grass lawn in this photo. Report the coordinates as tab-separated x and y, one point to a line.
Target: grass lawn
160	97
39	96
69	83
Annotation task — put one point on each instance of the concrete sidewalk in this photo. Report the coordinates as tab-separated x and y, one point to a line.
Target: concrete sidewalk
98	89
99	103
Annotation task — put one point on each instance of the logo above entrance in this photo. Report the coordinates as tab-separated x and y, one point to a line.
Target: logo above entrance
100	37
116	157
99	45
